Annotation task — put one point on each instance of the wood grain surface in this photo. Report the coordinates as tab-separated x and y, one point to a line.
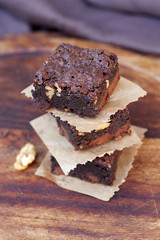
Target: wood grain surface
34	208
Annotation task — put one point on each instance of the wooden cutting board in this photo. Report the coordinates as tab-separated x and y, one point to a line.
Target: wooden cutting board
34	208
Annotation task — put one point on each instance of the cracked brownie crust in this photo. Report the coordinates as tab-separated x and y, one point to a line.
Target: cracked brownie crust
74	79
100	170
118	126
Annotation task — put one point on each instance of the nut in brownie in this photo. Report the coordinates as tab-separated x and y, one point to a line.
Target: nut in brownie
118	126
75	79
100	170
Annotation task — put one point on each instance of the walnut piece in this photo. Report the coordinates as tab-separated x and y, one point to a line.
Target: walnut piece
103	126
107	83
58	89
118	138
81	133
95	101
50	92
25	157
81	146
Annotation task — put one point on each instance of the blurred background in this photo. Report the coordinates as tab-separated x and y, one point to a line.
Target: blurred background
133	24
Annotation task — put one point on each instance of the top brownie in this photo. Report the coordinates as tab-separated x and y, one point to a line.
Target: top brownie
75	79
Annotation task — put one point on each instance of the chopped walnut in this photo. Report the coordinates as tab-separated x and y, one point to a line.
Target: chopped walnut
81	146
25	157
58	88
107	83
50	92
81	133
95	101
118	138
58	93
103	126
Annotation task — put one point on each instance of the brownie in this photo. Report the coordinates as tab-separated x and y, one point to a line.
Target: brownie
117	127
100	170
77	80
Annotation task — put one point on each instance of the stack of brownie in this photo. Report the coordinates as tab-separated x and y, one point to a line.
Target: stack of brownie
79	81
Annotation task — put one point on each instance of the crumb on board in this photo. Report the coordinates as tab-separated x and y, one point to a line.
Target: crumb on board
25	157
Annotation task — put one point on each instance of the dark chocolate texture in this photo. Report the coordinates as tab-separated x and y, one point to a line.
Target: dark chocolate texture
75	79
119	126
100	170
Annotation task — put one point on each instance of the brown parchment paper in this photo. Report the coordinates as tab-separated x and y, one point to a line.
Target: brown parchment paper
99	191
124	93
47	129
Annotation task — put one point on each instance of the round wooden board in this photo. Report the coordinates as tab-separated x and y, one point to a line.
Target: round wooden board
34	208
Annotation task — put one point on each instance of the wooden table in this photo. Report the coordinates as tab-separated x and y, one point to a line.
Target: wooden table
34	208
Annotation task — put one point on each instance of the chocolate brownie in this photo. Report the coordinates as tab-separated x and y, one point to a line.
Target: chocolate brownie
117	127
75	79
100	170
